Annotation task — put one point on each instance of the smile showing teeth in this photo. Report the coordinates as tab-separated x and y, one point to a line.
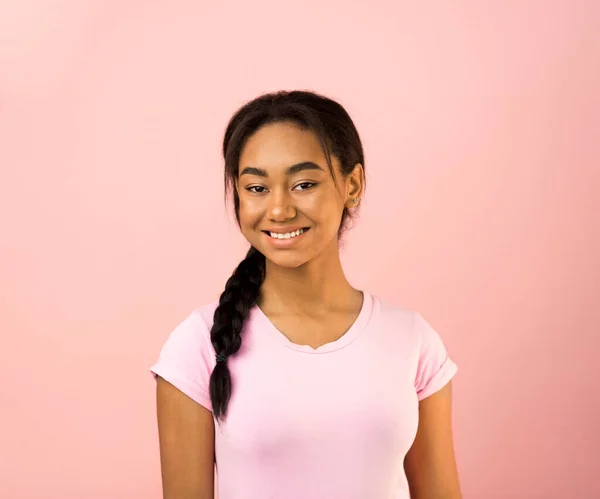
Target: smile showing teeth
287	235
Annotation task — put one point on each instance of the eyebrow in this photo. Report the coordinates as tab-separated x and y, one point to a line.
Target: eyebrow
290	170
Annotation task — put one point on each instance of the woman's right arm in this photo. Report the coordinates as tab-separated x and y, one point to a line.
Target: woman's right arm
187	444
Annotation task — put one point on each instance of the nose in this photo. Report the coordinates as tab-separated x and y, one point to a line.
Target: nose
281	207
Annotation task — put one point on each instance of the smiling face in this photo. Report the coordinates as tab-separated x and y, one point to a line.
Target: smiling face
290	208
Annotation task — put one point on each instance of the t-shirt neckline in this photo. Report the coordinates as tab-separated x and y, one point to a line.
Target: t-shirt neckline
346	339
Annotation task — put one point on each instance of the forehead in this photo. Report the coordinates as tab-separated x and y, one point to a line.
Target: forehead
280	145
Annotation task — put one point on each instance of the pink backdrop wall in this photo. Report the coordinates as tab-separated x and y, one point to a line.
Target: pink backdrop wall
482	131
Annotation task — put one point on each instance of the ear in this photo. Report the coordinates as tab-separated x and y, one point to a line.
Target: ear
355	184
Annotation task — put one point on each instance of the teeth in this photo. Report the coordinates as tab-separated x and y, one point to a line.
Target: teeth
288	235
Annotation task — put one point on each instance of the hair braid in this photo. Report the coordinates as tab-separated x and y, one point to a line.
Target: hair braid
240	295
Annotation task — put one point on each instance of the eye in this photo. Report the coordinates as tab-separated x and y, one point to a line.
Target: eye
256	189
304	186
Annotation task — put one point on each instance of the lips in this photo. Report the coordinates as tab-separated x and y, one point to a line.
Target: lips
286	234
285	230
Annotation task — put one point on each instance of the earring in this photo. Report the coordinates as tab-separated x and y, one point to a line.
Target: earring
355	200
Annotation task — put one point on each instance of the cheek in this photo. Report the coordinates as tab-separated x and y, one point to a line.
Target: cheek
250	211
324	205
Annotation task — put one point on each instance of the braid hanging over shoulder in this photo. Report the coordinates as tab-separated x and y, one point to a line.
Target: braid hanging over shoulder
236	301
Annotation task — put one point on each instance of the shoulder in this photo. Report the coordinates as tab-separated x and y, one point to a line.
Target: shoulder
406	325
203	315
394	313
394	319
416	338
189	339
192	329
186	358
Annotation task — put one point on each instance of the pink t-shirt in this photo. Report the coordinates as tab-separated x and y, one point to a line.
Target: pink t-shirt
335	422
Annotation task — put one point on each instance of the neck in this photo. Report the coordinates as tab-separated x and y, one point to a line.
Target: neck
317	285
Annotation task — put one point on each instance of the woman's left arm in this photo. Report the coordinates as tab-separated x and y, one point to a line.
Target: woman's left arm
430	464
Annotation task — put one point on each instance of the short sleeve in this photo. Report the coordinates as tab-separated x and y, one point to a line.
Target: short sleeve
435	368
186	359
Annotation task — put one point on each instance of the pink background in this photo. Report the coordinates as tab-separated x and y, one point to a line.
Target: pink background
482	131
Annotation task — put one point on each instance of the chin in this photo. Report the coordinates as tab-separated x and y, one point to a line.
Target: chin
289	261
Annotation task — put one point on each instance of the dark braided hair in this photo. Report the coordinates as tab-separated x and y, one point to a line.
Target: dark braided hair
338	136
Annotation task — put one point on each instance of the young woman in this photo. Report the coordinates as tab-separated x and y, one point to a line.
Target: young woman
295	384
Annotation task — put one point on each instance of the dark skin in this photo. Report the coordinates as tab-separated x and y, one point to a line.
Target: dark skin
187	444
284	183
